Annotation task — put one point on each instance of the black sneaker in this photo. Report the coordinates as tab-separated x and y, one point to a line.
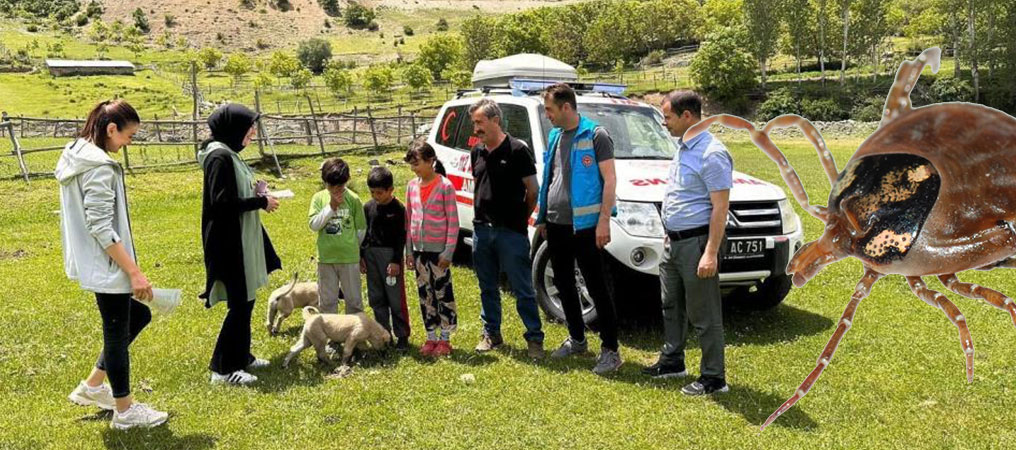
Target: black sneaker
704	386
402	344
661	371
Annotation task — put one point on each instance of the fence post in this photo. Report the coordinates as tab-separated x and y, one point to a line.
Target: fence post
17	147
355	112
22	127
317	126
263	135
194	113
398	127
373	132
158	131
412	123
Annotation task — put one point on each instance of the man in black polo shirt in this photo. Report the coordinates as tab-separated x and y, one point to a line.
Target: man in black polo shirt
504	197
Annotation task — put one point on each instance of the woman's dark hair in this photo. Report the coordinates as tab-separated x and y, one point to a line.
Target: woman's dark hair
335	172
420	150
380	178
110	111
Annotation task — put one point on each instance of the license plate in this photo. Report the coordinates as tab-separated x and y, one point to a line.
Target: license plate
745	249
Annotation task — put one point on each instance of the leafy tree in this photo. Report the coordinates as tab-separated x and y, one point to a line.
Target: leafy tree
300	79
379	79
417	76
330	7
477	39
314	54
99	31
338	79
440	52
237	65
282	64
871	29
458	78
721	68
209	57
763	26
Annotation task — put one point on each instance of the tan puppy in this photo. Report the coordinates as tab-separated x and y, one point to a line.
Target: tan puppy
352	330
285	299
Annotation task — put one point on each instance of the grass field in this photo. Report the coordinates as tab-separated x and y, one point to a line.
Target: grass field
897	380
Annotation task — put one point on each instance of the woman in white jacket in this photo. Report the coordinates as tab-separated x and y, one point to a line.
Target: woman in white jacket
99	254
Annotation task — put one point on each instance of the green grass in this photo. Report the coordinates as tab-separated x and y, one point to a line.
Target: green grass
897	380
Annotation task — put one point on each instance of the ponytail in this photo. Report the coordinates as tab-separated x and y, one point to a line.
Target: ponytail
420	150
117	111
439	168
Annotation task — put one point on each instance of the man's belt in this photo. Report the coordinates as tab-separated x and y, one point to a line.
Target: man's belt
685	234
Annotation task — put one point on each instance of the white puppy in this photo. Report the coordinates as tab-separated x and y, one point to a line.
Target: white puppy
287	298
351	330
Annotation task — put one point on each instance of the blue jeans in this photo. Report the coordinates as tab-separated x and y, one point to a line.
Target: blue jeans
496	250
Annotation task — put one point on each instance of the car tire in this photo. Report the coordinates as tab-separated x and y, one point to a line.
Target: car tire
546	293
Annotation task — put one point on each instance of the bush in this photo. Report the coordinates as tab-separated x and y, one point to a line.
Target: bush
170	20
94	10
407	30
237	65
81	20
314	54
359	16
338	80
373	26
778	102
300	79
822	109
654	57
32	28
458	78
331	7
868	109
141	20
283	64
442	24
721	68
951	90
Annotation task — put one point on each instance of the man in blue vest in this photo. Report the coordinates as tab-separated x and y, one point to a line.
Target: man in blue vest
576	202
695	215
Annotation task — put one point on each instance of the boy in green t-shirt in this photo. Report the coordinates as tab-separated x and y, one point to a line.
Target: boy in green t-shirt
336	214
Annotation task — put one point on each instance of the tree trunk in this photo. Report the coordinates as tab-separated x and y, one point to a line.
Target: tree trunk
973	51
798	48
956	45
762	67
991	45
821	36
846	28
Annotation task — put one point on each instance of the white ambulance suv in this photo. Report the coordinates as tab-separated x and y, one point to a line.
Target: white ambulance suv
762	228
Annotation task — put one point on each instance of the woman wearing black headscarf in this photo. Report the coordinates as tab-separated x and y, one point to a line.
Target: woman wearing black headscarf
238	254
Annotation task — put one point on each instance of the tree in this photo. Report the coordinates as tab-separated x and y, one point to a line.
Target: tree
823	17
379	79
798	28
209	57
439	52
763	26
458	78
300	79
338	79
330	7
417	76
844	6
141	20
282	64
870	29
476	39
721	68
314	54
99	32
237	65
136	44
116	31
358	16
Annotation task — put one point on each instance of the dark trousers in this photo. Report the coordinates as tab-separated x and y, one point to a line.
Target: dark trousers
568	247
123	318
232	349
688	298
388	302
496	250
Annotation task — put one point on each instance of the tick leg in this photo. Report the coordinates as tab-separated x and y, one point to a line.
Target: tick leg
860	292
997	299
761	139
936	299
898	100
812	134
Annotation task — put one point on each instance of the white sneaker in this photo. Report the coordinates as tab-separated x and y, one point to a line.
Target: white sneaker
239	377
85	395
138	415
259	364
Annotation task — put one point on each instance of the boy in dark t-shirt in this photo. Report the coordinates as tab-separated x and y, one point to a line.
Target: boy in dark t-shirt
381	256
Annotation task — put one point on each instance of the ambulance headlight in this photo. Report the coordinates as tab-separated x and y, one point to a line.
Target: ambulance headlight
640	219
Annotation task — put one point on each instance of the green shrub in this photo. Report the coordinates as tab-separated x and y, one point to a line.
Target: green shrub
868	109
721	68
442	24
314	54
141	20
822	109
778	102
359	16
948	89
407	30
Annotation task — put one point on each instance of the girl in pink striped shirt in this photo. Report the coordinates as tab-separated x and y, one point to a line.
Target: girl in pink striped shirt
432	226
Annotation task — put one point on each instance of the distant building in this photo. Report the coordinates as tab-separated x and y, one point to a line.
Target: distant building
67	67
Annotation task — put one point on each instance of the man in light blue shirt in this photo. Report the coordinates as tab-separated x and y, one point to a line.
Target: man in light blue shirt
695	216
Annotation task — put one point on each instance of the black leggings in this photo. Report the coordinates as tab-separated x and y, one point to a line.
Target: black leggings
232	349
123	318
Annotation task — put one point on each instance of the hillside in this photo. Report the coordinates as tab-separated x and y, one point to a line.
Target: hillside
241	27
